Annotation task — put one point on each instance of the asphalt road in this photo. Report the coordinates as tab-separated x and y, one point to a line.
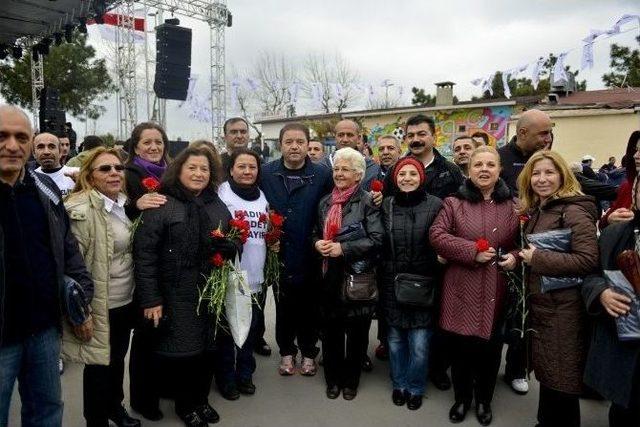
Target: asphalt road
300	401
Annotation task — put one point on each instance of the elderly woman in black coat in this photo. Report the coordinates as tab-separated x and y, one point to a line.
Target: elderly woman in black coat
613	366
348	236
171	249
407	217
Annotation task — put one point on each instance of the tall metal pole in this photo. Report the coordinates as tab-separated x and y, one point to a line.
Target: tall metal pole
37	84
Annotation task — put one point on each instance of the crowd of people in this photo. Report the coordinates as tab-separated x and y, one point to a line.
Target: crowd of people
450	257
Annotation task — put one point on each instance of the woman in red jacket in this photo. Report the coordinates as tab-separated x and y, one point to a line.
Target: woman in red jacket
470	229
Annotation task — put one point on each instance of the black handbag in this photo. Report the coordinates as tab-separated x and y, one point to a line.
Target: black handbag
412	290
74	302
360	287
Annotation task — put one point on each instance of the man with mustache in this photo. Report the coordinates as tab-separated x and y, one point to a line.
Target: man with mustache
463	146
47	150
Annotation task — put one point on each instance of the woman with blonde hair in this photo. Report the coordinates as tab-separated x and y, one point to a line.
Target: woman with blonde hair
96	208
552	199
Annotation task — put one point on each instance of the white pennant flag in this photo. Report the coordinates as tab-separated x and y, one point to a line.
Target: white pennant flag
505	83
487	84
535	72
338	91
587	49
253	84
559	73
372	92
623	20
293	91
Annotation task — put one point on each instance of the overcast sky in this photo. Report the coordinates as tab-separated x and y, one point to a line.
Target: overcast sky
410	42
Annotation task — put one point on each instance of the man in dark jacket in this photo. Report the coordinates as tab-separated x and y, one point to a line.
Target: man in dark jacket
389	151
348	134
293	186
37	249
533	133
443	178
236	135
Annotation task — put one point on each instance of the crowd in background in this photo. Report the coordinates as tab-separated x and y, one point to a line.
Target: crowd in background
449	256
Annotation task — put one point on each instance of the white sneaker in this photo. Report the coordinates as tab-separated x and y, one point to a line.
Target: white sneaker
520	385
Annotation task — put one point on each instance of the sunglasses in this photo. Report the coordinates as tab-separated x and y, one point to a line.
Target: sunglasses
107	168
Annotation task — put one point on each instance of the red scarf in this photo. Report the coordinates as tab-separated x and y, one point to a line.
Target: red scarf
333	223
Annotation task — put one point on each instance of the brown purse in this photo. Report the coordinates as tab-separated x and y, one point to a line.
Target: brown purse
360	287
628	262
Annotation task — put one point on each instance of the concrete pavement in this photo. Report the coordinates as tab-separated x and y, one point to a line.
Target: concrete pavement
300	401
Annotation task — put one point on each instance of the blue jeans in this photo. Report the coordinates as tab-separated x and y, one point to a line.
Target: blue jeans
409	358
34	362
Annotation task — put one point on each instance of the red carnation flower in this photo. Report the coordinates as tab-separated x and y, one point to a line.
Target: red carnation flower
151	184
240	214
523	218
482	245
276	219
217	260
377	185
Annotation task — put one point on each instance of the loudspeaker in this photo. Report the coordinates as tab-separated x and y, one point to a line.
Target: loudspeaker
173	61
52	117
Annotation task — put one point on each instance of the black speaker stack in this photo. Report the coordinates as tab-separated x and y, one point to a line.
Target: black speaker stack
52	118
173	61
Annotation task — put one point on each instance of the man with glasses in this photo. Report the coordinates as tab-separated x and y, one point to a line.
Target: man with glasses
37	249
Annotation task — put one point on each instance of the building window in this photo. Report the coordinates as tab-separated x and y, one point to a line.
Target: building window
462	128
493	126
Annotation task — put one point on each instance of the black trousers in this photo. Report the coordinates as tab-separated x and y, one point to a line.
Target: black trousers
440	357
558	409
343	348
474	369
297	309
260	324
516	359
143	368
102	385
192	380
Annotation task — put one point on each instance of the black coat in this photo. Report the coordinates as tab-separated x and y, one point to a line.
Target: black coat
610	363
359	209
408	228
167	273
63	244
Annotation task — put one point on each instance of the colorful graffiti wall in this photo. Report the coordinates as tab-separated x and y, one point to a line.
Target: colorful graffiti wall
492	121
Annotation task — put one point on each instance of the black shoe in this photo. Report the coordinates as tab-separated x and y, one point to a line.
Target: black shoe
262	348
399	397
457	412
193	419
246	387
230	392
121	418
349	393
152	414
367	366
484	414
208	414
414	401
333	391
441	380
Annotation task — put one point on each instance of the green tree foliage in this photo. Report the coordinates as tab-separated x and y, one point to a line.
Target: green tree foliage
625	64
425	99
524	86
71	68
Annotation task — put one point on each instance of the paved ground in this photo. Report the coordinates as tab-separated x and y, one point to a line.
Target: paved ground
300	401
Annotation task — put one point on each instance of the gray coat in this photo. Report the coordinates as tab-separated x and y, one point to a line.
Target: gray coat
610	362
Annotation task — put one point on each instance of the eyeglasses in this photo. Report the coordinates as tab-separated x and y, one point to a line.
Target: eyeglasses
107	168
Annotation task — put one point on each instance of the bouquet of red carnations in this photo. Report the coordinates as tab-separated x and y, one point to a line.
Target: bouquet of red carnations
272	237
212	295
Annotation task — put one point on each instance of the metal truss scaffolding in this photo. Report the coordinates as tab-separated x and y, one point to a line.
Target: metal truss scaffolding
37	84
126	69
